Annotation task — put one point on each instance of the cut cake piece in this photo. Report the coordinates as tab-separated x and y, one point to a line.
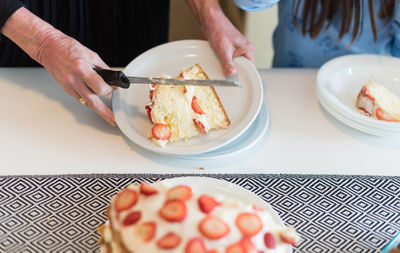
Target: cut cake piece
376	101
182	112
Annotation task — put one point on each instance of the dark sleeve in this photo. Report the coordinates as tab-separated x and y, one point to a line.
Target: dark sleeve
7	8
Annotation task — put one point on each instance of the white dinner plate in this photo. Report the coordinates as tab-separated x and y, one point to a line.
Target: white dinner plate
340	80
242	104
208	185
245	141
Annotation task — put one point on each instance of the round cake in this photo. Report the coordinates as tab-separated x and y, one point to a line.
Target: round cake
165	217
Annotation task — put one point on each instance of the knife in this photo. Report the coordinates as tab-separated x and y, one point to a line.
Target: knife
118	78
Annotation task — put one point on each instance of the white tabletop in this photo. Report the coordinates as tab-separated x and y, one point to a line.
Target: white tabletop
45	131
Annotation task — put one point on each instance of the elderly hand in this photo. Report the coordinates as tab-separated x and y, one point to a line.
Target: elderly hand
69	62
223	37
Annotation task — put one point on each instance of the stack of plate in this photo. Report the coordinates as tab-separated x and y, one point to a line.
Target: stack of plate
244	105
340	80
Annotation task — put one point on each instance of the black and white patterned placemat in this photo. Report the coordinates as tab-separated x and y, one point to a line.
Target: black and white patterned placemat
331	213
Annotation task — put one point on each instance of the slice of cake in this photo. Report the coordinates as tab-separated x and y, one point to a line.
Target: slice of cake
182	112
378	102
163	218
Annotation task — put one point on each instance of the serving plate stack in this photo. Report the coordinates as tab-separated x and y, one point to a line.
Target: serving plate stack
340	80
244	105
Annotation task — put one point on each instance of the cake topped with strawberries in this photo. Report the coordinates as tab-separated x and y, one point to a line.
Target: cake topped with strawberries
163	218
181	112
378	102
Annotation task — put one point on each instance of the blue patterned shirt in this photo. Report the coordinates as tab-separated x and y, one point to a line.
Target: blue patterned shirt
292	49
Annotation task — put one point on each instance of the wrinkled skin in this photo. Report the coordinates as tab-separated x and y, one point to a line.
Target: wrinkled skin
71	64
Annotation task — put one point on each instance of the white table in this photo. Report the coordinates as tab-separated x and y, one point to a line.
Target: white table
45	131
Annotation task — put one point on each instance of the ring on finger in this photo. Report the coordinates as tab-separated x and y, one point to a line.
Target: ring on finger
82	101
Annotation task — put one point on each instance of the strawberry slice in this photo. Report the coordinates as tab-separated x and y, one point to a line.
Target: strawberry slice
132	218
161	132
125	199
148	110
257	208
196	245
147	189
200	126
269	240
247	244
173	210
243	246
380	114
169	241
365	91
289	236
207	203
196	107
249	223
146	231
213	228
181	192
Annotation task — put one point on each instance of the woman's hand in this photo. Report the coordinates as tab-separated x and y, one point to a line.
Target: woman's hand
69	62
223	37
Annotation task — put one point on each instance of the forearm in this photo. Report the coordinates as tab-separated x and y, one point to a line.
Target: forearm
30	33
207	13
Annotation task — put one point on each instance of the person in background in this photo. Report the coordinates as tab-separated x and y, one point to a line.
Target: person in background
309	32
68	37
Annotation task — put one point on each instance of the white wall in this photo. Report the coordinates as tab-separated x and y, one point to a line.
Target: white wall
259	27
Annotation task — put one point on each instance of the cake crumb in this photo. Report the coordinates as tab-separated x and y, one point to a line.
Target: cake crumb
131	149
202	168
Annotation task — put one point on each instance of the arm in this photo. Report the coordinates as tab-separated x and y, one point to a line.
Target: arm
223	37
68	61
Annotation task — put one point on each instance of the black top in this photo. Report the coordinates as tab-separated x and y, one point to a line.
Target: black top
118	30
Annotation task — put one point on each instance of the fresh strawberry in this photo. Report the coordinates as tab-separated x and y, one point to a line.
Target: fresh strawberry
243	246
380	114
181	192
366	93
269	240
147	189
289	236
213	228
173	210
249	223
247	244
200	126
196	107
148	110
181	76
125	199
257	208
161	132
146	231
169	241
235	248
196	245
207	203
132	218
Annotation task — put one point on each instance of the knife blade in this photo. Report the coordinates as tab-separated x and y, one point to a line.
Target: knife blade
118	78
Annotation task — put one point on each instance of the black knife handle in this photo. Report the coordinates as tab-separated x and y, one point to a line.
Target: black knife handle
113	77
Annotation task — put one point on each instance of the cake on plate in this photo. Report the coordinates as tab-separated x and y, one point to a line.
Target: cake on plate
181	112
378	102
160	217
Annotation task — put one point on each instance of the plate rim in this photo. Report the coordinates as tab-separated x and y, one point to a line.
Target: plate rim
122	118
326	97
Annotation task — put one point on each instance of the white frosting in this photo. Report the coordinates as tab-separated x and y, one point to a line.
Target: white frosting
227	211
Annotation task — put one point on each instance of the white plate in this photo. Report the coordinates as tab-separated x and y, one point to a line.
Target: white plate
340	80
241	104
245	141
208	185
